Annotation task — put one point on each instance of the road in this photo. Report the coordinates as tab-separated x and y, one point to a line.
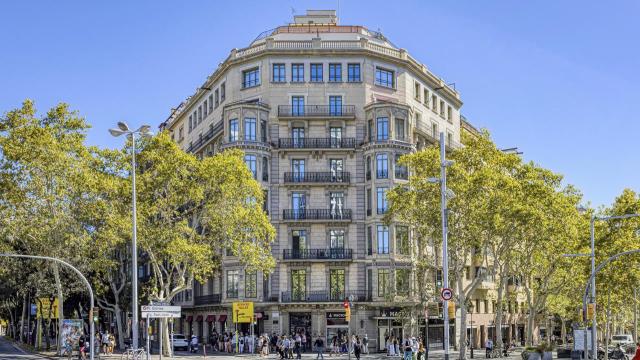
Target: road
9	352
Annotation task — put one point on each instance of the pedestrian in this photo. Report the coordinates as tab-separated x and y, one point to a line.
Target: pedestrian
357	348
489	347
105	342
365	344
303	338
298	346
319	344
408	349
421	351
637	355
396	346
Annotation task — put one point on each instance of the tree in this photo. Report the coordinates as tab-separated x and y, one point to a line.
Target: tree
43	170
191	210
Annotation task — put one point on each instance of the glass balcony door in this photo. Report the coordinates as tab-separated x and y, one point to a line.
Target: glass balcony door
336	167
298	204
297	168
298	137
335	134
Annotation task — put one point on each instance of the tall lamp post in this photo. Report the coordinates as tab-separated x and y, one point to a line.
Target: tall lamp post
142	131
444	195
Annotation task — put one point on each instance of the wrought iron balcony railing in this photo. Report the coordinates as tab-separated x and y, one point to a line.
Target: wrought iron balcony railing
382	174
316	214
324	296
318	254
317	143
316	110
402	173
317	177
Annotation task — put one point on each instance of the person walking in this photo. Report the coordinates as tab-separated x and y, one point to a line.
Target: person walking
489	347
365	344
408	349
319	344
421	351
298	346
637	355
357	348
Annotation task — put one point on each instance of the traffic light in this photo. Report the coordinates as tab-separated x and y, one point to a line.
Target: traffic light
96	314
346	303
591	309
347	314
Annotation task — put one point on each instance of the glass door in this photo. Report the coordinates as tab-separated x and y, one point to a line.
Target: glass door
335	134
297	167
298	137
298	204
336	166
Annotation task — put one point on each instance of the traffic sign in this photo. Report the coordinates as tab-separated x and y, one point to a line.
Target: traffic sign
446	294
154	311
242	312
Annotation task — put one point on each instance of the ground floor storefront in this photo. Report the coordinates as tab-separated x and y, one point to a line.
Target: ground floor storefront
379	324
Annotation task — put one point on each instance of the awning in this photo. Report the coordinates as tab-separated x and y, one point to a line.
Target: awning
222	318
199	318
211	318
189	318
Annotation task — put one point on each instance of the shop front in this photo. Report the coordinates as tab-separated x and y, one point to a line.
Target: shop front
299	323
337	325
389	326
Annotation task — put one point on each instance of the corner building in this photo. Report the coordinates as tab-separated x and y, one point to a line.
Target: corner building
323	112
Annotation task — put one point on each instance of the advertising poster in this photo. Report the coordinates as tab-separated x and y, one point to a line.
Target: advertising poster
72	329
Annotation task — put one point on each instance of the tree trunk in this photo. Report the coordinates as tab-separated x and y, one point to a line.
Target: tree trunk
462	300
498	322
24	310
118	315
165	337
530	325
563	331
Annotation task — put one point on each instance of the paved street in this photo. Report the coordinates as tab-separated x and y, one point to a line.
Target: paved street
8	351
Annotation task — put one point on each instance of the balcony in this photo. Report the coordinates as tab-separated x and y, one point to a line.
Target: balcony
246	144
317	254
324	296
207	299
316	215
335	177
317	111
317	143
206	137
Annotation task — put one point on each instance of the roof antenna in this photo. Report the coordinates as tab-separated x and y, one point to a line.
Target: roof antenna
338	13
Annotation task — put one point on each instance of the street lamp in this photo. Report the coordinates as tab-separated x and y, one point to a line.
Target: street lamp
594	331
445	194
471	332
142	131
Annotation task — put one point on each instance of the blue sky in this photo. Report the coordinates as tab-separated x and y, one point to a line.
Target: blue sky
558	79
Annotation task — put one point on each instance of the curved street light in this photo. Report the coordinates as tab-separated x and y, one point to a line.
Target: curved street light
142	131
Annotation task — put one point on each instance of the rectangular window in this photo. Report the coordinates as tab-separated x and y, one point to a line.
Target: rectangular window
382	166
425	97
297	72
401	170
336	238
316	73
199	114
384	77
250	129
250	160
336	284
369	240
210	103
190	123
336	204
299	204
297	133
335	105
265	172
441	108
279	73
222	92
299	241
353	73
370	130
383	239
297	105
265	196
233	277
250	78
263	131
206	108
368	202
403	285
233	130
400	129
335	134
434	103
402	240
449	114
180	133
416	90
335	72
299	285
449	139
381	200
297	168
251	284
336	167
434	130
195	119
383	282
382	127
217	99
